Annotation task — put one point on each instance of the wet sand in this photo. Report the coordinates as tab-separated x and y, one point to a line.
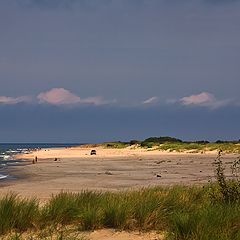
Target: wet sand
109	170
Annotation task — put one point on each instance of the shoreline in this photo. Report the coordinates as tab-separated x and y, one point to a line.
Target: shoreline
11	163
110	170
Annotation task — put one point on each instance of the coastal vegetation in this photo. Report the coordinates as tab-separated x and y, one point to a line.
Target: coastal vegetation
177	145
204	212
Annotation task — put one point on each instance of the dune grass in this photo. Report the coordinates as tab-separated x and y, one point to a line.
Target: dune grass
115	144
181	212
16	213
200	147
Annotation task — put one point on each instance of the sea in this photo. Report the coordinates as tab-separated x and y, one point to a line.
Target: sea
8	150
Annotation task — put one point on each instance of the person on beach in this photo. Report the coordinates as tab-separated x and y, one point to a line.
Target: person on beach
34	160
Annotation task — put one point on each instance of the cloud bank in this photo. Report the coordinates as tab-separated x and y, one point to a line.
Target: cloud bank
64	97
57	97
61	96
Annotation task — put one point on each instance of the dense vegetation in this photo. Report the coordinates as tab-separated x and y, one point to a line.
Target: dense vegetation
175	144
208	212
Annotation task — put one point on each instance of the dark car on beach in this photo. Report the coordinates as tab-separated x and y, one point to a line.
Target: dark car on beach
93	152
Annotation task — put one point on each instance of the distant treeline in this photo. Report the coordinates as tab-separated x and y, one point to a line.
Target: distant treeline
155	140
174	142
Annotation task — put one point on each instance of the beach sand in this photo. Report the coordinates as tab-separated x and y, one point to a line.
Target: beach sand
109	170
108	234
102	234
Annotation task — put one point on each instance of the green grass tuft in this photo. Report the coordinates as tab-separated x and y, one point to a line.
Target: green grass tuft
16	213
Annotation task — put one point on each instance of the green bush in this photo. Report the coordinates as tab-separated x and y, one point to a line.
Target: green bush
161	140
147	144
134	142
226	190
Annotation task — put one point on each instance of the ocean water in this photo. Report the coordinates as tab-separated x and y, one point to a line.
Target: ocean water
8	150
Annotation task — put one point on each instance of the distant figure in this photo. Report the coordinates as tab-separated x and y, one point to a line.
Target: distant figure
55	159
33	161
93	152
36	159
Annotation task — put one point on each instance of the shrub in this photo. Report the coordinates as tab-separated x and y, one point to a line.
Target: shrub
147	144
134	142
160	140
226	190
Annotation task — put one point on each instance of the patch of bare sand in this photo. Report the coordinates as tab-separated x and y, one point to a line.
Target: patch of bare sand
103	234
108	234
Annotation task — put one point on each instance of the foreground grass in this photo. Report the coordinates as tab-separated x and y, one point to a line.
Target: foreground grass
182	212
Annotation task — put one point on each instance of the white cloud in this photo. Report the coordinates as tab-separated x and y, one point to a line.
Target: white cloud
12	100
61	96
204	99
198	99
58	96
151	100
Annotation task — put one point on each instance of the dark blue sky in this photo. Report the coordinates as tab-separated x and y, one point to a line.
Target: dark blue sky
87	71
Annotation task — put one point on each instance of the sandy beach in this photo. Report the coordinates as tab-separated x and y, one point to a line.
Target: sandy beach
109	170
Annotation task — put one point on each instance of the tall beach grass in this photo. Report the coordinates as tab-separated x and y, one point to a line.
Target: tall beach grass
181	212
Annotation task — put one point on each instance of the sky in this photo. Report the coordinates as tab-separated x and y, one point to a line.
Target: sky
92	71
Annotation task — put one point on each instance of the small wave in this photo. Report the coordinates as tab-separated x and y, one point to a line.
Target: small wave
25	152
12	151
6	157
3	176
13	163
22	149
